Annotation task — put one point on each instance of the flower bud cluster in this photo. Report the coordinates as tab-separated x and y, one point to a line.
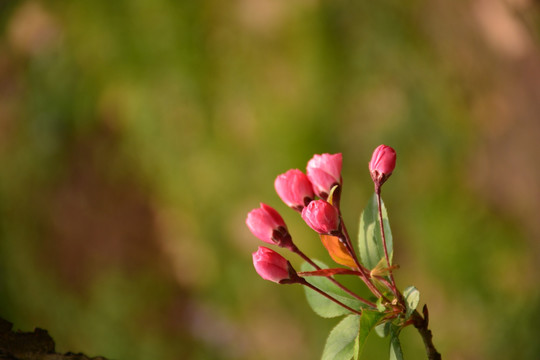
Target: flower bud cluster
316	195
299	190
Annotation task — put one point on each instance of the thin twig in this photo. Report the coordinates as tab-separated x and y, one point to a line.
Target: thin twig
421	324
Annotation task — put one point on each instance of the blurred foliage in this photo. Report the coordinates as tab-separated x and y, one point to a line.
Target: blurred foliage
136	135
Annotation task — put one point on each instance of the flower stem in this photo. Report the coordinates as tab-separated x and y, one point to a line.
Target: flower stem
304	282
341	286
381	224
345	238
364	275
386	283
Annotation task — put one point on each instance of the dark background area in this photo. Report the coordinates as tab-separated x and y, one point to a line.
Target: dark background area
136	135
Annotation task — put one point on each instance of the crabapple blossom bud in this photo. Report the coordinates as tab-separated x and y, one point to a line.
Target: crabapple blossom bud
382	164
271	266
321	216
294	189
266	224
324	171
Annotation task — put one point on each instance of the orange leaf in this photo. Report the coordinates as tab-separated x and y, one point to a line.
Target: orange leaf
337	250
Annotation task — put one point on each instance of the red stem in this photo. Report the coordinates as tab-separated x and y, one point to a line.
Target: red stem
341	286
304	282
379	205
365	276
330	272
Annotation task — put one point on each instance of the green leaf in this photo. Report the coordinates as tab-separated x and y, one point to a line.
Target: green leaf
356	349
379	305
395	346
383	329
321	305
368	320
369	234
341	341
412	298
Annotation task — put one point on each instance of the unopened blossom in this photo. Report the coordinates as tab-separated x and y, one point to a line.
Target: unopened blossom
382	164
266	224
270	265
324	172
294	188
321	216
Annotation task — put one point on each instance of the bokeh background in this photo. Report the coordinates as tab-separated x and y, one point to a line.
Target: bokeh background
135	135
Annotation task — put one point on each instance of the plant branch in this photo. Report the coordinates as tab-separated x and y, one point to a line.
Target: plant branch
421	324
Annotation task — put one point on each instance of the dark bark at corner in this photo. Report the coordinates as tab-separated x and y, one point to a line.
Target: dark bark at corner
421	324
36	345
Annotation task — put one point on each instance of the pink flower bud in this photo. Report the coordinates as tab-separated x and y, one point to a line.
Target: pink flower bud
382	164
321	216
266	224
270	265
324	171
294	189
383	160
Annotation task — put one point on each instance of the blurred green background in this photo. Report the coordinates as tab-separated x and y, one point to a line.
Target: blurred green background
136	135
